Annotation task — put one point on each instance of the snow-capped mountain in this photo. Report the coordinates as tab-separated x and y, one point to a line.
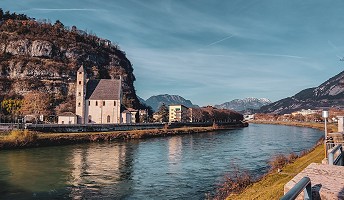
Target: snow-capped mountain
245	104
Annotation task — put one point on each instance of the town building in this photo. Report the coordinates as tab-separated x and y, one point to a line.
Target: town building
134	115
97	101
305	112
126	117
67	118
178	113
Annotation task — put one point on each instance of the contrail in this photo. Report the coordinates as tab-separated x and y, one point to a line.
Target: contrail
223	39
64	9
277	55
216	42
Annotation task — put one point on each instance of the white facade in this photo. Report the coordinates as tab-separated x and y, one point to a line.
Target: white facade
67	119
177	113
97	101
103	111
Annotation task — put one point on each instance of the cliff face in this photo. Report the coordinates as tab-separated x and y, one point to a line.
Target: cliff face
39	56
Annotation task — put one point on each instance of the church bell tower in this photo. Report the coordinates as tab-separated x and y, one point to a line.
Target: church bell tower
80	109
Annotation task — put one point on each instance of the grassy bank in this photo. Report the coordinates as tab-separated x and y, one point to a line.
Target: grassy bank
330	127
271	185
23	139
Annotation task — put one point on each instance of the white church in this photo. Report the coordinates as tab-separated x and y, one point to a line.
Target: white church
98	101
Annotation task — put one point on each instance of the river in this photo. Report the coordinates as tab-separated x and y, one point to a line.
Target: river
178	167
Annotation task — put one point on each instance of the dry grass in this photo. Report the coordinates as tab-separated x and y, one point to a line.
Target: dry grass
271	185
21	137
232	183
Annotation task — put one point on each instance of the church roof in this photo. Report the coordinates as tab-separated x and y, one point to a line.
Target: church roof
103	89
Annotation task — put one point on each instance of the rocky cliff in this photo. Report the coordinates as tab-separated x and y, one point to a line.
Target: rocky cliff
328	94
40	56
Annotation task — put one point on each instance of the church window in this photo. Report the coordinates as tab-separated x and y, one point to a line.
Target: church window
108	119
114	103
79	93
79	82
79	104
80	72
96	103
103	103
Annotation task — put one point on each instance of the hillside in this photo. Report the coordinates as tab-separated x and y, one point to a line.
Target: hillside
156	101
40	56
244	104
328	94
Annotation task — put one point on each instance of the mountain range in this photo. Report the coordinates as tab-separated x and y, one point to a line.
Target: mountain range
328	94
237	105
245	104
158	100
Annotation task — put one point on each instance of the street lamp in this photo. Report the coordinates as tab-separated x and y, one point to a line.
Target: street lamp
325	116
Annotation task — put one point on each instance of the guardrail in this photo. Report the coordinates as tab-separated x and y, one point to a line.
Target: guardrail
303	185
337	151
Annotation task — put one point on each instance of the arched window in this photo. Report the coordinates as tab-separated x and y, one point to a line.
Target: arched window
79	82
108	119
79	104
89	119
114	103
96	103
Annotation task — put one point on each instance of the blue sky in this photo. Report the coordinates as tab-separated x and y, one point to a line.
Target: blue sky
212	51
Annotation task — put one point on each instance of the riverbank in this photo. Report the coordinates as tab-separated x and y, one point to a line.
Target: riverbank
54	139
271	186
330	127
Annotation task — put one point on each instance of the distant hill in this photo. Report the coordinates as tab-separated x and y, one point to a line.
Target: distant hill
156	101
245	104
328	94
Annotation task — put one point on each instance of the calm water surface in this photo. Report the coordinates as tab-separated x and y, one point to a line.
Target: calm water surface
179	167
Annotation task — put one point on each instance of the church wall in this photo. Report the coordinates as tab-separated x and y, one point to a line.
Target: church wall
102	110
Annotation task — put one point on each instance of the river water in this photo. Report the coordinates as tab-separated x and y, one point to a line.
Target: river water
178	167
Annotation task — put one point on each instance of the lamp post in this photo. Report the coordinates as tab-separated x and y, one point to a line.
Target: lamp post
325	116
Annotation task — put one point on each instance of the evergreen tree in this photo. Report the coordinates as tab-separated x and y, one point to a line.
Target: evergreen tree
163	111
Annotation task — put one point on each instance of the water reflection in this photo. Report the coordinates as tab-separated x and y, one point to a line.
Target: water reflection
179	167
100	171
174	153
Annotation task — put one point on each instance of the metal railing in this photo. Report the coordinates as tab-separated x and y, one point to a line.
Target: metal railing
303	185
335	155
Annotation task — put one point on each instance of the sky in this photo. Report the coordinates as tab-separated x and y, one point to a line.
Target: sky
212	51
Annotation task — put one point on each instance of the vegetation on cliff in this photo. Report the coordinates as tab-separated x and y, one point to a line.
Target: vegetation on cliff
36	55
